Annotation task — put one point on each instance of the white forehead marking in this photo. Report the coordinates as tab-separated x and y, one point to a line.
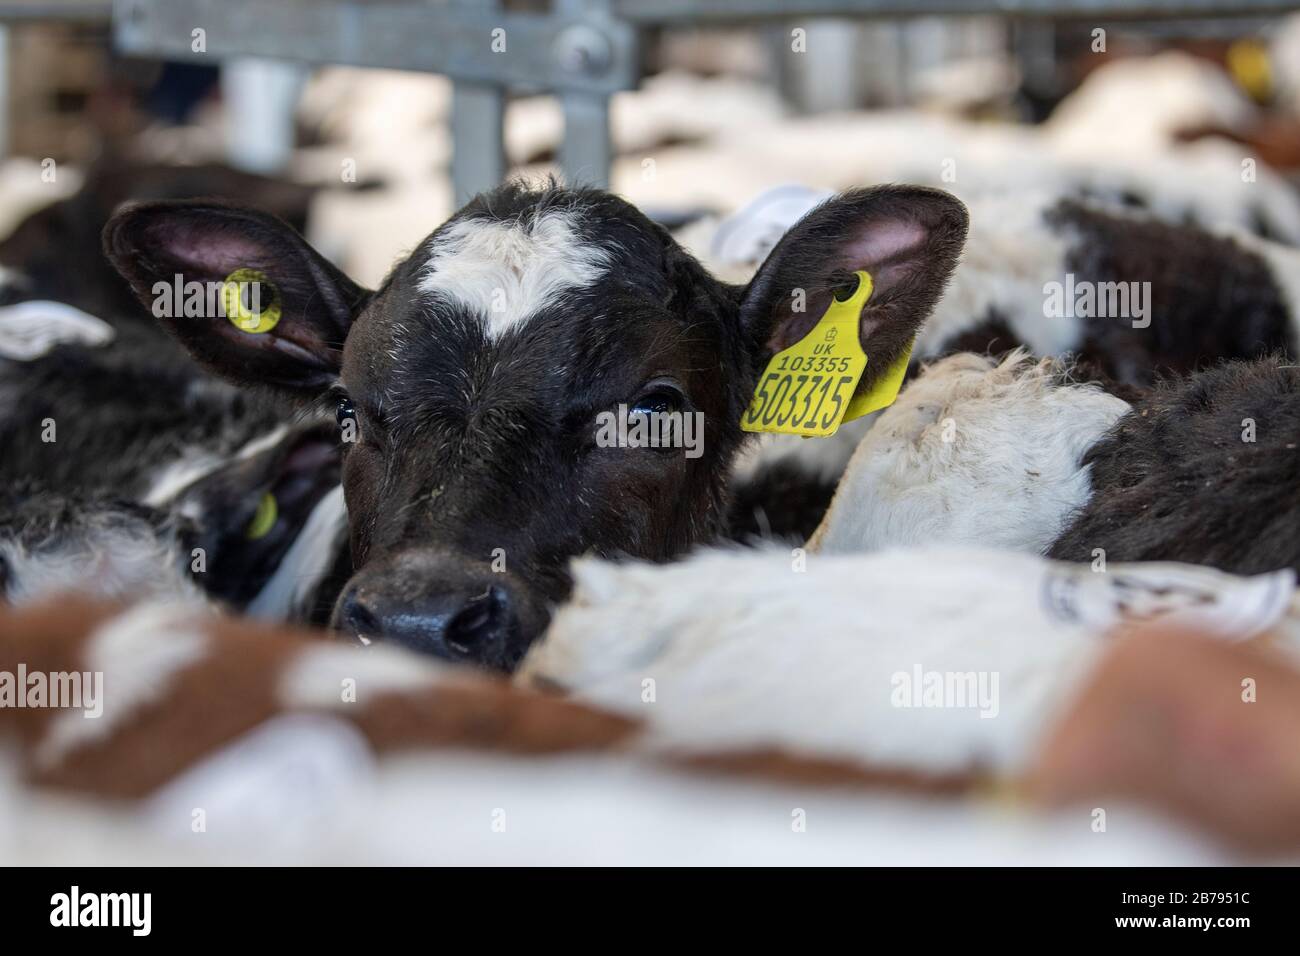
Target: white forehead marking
507	271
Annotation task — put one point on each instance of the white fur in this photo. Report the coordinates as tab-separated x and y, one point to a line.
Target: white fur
1011	253
171	479
593	810
1138	104
174	477
137	652
746	651
973	452
306	563
1284	54
507	271
315	680
112	559
31	329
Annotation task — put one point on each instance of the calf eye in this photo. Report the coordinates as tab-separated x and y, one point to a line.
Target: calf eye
346	412
349	427
657	401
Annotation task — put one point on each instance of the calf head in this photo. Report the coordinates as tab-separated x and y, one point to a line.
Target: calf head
471	382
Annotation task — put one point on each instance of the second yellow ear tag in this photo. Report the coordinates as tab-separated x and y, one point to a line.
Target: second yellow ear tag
882	394
268	512
808	388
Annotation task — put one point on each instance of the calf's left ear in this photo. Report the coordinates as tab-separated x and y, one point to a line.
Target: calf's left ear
173	252
907	237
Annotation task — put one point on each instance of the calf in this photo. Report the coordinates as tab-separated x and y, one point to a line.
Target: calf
1188	297
932	658
473	378
976	451
1202	469
120	460
198	710
258	534
1126	293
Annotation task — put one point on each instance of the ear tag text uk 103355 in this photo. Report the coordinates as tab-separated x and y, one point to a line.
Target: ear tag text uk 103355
807	388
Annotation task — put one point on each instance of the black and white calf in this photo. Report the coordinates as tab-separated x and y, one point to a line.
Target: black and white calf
1127	296
1022	454
126	467
476	373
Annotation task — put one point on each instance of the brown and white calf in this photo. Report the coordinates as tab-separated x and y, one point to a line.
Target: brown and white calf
475	374
294	749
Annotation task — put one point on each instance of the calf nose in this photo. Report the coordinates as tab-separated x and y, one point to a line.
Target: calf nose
472	625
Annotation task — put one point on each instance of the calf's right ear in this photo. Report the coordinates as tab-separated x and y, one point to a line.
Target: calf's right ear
243	292
907	237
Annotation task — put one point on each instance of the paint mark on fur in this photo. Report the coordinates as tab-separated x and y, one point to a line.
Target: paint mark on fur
508	271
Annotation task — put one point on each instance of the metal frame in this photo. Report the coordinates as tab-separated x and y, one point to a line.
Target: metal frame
583	50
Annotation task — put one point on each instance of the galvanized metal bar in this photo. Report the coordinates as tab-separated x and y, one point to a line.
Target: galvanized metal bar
79	11
717	11
587	151
463	42
478	158
584	50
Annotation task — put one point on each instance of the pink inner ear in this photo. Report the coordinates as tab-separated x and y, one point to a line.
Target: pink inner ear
221	252
884	241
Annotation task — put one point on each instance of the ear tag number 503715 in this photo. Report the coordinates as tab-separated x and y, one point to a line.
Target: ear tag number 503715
807	388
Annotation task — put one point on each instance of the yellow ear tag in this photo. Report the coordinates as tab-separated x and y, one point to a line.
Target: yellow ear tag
261	311
882	394
806	389
268	511
1248	62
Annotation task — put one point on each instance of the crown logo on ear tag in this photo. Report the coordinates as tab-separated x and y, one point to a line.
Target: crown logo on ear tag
808	388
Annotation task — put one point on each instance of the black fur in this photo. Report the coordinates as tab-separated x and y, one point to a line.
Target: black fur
1174	481
781	502
1211	298
990	336
120	413
69	231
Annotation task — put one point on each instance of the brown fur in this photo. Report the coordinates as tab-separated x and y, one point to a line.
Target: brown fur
236	686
